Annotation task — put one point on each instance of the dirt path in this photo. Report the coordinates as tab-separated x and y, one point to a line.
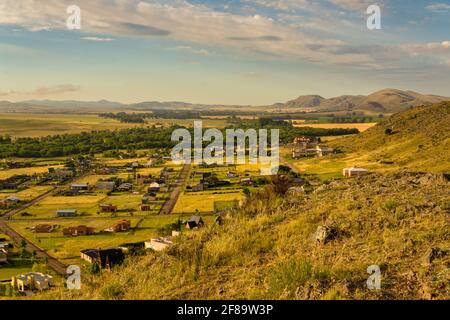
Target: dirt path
167	208
52	262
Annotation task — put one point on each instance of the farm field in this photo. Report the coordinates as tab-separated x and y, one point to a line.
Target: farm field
28	193
38	125
5	174
360	126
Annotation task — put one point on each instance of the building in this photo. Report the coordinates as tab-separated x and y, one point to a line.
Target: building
108	208
194	222
154	187
303	152
323	151
66	213
44	228
159	244
353	172
63	173
200	187
145	207
104	258
122	225
246	181
307	142
32	281
105	185
78	231
125	187
80	186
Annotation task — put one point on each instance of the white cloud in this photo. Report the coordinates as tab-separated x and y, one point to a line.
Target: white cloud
438	7
202	52
97	39
43	91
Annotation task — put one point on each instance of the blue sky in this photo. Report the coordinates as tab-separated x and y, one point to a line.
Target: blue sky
225	52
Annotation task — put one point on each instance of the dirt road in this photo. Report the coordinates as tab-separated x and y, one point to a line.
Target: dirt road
167	208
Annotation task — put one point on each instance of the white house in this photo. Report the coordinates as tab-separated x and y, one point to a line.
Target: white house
32	281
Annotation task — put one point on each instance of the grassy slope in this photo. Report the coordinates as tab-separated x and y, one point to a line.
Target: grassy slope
420	140
267	250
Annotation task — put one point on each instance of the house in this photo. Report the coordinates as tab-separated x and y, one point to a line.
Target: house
246	181
159	244
122	225
231	174
108	208
3	255
352	172
104	258
303	152
105	185
125	187
32	281
135	164
44	228
323	151
154	187
78	231
194	222
66	213
80	186
307	142
145	207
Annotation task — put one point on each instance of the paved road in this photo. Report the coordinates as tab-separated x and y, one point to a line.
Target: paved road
168	206
52	262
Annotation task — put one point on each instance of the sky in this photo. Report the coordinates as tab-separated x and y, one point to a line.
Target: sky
245	52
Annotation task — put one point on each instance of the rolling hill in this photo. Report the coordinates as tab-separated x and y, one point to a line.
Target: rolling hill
383	101
415	139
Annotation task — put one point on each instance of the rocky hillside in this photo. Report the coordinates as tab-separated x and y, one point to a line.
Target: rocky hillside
311	246
383	101
416	139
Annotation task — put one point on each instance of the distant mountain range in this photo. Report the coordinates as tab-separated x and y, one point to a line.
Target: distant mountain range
384	101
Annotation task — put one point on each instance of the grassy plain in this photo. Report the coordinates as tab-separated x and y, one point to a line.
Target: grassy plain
360	126
5	174
204	201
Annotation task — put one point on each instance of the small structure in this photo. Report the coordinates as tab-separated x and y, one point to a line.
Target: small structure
106	258
145	207
159	244
303	152
80	186
307	142
32	281
105	185
194	222
154	187
296	190
66	213
125	187
246	181
122	225
13	199
44	228
78	231
108	208
353	172
323	151
200	187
